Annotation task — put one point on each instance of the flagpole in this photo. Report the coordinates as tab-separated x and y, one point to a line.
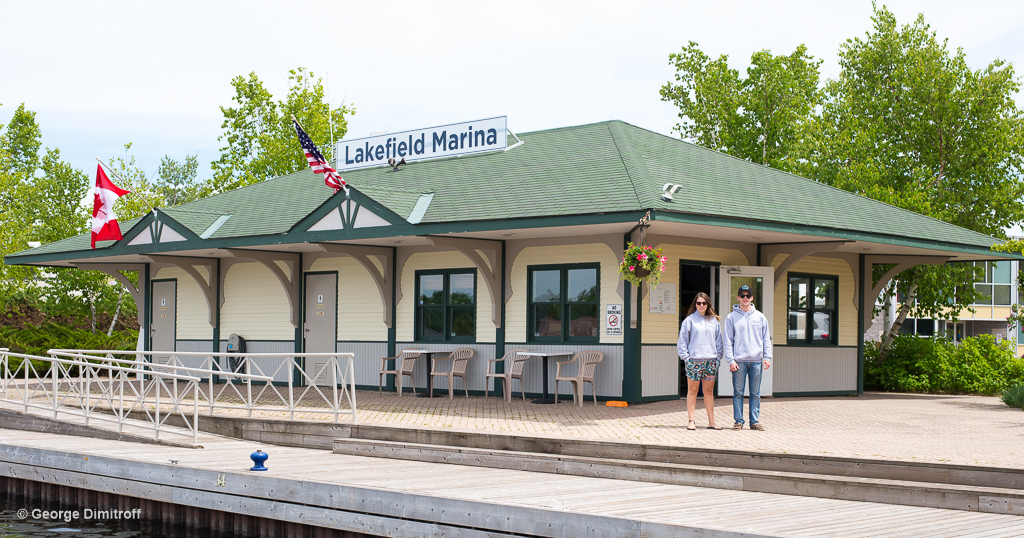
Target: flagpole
109	169
330	117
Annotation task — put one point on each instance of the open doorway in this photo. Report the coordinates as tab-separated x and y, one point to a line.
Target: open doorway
694	277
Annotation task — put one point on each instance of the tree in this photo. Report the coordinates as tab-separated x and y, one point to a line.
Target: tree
761	118
907	122
177	182
261	142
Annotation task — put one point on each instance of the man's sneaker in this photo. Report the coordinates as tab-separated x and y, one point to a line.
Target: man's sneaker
737	426
757	427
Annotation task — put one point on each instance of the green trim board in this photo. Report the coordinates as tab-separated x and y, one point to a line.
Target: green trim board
815	393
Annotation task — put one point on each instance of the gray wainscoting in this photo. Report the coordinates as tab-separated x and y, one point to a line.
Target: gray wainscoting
607	376
814	369
367	360
267	364
659	371
475	370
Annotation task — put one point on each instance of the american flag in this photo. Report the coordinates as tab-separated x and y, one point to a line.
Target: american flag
317	161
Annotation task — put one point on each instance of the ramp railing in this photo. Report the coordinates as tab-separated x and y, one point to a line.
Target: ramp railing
111	385
75	386
292	383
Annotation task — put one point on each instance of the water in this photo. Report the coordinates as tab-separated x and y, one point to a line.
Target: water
13	526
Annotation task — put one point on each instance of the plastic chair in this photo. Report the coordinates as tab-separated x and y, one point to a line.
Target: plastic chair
514	365
460	359
408	362
584	374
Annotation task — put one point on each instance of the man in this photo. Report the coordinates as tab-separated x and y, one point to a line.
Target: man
748	348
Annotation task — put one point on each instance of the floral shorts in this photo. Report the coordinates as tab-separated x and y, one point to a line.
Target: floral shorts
698	370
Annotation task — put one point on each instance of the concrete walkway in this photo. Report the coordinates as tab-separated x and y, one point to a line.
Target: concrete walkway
972	430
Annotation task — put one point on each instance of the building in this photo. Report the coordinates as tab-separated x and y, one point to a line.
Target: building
520	247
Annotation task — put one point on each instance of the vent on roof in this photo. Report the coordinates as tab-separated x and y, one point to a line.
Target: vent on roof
668	190
215	226
421	208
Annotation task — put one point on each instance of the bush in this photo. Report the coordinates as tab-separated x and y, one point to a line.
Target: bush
1014	396
979	365
37	340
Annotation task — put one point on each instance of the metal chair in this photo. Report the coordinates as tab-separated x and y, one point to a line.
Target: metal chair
408	362
460	359
514	365
584	374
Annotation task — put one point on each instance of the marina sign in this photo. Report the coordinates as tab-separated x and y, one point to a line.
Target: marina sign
418	144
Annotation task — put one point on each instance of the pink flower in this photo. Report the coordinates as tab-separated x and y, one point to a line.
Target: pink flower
631	267
642	256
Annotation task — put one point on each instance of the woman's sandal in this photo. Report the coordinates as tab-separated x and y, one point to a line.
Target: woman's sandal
691	426
714	427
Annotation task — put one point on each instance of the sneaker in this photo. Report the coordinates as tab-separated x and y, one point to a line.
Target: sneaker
757	427
737	426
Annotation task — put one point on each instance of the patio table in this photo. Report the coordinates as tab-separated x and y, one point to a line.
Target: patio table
546	399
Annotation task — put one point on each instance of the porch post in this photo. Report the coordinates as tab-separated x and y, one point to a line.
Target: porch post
216	307
861	328
499	333
631	389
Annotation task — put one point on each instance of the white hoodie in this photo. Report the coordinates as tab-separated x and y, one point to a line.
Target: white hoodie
746	336
700	339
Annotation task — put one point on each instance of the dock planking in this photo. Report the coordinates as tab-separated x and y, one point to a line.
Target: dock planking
555	502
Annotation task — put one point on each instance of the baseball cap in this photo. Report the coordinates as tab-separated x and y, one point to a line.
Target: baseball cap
744	288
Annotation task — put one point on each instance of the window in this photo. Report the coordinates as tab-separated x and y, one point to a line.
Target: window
920	327
995	290
563	303
813	310
446	305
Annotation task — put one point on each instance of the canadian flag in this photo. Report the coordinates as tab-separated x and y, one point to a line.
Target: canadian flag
104	221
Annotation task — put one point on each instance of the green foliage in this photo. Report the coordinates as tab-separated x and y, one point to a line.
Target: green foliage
761	118
37	340
906	122
979	365
177	182
1014	396
261	141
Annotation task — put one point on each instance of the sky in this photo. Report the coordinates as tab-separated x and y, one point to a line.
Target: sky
101	74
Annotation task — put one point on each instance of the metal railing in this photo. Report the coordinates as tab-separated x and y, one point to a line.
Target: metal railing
78	381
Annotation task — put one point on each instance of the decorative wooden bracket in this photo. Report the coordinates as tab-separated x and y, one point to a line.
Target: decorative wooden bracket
291	282
362	253
490	268
796	251
188	264
902	263
113	269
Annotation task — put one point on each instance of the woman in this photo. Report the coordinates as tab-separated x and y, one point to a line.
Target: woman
700	347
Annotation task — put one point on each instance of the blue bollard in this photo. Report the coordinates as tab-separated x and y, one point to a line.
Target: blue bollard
258	458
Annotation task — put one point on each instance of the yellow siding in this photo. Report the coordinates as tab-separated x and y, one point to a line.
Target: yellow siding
664	328
193	314
360	309
847	300
485	329
1000	312
255	304
515	309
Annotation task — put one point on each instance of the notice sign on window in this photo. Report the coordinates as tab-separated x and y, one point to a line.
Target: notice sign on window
663	299
613	321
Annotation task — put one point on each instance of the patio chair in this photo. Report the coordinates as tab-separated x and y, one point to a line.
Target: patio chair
584	374
460	359
402	369
514	365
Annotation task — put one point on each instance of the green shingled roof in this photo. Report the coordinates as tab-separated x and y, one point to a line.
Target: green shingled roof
608	167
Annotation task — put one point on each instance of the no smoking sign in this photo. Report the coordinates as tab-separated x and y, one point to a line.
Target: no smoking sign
613	323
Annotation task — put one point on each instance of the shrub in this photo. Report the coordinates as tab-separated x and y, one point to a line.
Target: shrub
979	365
1014	396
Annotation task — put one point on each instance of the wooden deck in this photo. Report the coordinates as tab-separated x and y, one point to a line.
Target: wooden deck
407	498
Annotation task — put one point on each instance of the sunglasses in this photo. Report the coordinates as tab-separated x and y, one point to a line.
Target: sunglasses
701	303
745	296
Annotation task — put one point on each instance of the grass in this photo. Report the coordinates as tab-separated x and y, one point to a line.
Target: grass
1014	396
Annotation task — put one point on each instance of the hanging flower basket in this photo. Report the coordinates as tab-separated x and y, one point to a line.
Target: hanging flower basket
642	264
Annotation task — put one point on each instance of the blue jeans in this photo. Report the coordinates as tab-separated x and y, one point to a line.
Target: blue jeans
748	372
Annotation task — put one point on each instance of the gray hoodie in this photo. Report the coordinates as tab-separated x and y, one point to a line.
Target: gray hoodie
700	339
746	336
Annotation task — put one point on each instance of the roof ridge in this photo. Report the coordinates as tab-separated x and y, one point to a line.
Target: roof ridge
627	150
